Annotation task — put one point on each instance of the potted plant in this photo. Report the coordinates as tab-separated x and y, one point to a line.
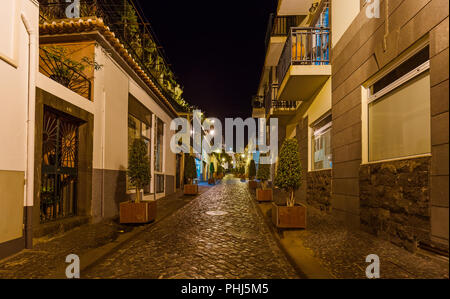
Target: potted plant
263	194
212	169
242	173
219	172
190	173
252	184
138	211
288	178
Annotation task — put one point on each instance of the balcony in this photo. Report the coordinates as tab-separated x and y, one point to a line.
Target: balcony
304	65
299	7
258	109
278	108
282	109
277	33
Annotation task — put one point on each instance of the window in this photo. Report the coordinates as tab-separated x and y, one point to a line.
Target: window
321	145
399	111
159	155
159	183
138	129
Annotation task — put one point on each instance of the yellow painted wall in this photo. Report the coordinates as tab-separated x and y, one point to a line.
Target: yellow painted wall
319	107
321	103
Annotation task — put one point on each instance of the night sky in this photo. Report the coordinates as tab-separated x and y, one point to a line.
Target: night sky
216	49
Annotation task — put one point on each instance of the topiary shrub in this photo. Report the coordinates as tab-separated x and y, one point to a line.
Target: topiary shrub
139	167
212	170
252	170
289	171
190	170
263	174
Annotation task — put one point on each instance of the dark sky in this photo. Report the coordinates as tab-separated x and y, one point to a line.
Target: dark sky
216	49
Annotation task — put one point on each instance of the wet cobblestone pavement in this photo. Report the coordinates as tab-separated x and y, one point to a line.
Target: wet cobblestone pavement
195	244
344	251
47	258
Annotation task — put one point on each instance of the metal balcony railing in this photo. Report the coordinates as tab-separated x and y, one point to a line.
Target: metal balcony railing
270	96
285	105
304	46
129	26
258	102
67	75
281	25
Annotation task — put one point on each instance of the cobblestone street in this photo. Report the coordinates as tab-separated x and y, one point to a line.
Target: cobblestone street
194	243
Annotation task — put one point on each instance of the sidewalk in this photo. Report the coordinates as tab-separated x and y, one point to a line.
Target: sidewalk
91	242
327	249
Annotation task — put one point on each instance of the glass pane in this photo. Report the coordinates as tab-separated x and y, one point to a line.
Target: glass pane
159	145
147	188
133	133
146	131
399	122
321	144
133	128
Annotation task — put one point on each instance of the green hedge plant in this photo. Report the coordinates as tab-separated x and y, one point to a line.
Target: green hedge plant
190	171
252	170
139	167
263	174
289	171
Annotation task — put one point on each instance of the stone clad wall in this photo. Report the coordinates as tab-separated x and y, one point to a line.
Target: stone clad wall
360	54
395	201
319	189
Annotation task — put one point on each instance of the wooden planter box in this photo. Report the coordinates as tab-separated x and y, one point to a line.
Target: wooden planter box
190	189
143	212
252	184
289	217
265	195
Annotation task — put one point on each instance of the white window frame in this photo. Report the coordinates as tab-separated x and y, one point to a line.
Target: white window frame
313	133
367	98
396	84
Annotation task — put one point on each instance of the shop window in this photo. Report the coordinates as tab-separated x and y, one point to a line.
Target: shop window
139	129
399	111
321	145
159	183
159	151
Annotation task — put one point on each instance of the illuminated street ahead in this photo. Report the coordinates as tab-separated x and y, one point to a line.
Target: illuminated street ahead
193	243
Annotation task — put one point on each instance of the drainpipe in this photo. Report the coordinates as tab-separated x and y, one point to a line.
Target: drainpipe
386	24
30	129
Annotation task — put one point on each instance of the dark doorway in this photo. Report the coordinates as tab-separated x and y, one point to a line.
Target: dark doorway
60	139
